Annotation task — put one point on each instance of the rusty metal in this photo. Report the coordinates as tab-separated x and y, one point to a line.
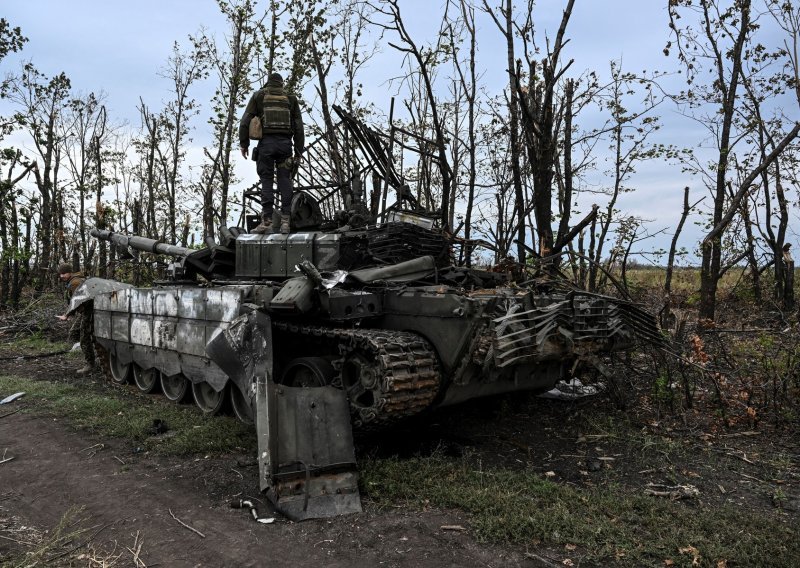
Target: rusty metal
388	375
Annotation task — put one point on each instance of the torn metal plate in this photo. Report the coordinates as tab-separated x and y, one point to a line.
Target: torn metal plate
90	288
306	453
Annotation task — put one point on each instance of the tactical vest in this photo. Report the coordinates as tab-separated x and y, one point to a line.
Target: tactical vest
276	117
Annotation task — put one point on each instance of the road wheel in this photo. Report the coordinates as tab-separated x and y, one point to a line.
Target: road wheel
175	387
120	372
308	372
146	379
241	405
207	399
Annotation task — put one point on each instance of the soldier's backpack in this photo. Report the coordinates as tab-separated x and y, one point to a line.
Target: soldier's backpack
277	115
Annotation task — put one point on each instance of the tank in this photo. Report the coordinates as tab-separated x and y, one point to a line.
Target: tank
345	323
312	333
356	309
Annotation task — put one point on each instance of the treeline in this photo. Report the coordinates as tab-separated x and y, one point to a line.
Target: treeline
510	168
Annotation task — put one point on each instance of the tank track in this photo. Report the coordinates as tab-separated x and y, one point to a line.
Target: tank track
401	371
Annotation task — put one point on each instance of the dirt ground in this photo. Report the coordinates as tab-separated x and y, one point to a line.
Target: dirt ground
134	502
137	501
137	506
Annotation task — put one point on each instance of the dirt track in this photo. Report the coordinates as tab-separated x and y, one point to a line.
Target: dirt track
54	469
124	493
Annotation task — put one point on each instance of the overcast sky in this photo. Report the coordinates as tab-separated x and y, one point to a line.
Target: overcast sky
118	47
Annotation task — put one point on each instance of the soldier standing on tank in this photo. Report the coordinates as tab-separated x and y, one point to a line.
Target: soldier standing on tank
82	328
281	124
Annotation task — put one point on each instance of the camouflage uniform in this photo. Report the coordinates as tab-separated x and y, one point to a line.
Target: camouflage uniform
83	327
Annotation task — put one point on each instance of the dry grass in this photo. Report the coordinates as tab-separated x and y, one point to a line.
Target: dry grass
70	543
686	281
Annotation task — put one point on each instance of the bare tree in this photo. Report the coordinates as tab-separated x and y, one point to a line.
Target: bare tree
424	60
233	68
505	23
41	102
182	70
496	202
539	121
323	52
469	86
82	135
787	17
629	131
354	48
722	42
13	253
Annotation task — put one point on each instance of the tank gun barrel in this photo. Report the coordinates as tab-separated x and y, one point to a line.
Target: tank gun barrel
143	244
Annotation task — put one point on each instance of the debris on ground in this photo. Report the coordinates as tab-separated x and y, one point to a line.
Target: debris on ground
248	504
673	492
12	398
572	390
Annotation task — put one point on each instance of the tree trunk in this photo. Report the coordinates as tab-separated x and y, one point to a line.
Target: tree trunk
674	244
513	113
711	248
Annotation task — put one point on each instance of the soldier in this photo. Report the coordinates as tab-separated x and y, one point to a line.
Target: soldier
82	328
281	121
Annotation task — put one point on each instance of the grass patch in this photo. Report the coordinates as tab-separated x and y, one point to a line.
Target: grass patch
36	343
686	279
606	525
47	548
68	544
120	414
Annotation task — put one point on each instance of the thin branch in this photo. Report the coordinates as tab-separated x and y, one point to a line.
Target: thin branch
185	525
747	182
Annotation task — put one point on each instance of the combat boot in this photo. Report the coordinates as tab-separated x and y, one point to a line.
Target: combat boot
85	370
264	227
285	224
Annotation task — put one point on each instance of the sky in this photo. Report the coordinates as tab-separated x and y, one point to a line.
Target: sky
118	48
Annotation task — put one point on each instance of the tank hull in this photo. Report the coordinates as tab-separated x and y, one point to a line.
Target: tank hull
473	344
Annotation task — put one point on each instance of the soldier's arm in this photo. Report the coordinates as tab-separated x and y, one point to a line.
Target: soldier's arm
299	133
244	125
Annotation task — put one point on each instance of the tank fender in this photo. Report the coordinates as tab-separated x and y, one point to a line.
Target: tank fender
243	349
92	287
306	457
450	322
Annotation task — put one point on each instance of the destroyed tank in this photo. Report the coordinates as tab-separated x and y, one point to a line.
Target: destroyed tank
338	325
376	323
357	309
